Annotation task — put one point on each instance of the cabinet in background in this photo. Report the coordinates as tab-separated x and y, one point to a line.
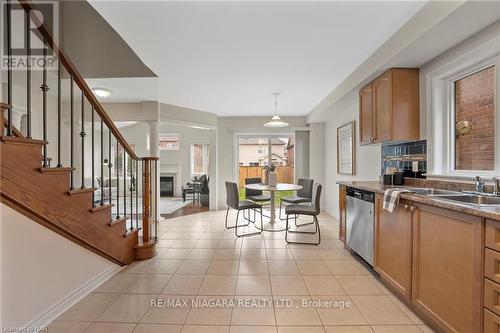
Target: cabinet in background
389	108
392	257
447	267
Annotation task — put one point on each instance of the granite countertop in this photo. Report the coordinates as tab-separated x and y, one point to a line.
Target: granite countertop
489	212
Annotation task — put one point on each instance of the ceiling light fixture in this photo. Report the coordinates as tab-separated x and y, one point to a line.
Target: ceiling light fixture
276	121
102	92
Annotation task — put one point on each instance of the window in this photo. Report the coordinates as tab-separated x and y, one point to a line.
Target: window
169	141
462	121
474	114
199	159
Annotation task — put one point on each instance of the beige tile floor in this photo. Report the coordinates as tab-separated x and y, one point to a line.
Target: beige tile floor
199	260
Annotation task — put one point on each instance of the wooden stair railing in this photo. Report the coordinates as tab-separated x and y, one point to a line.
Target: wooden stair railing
53	199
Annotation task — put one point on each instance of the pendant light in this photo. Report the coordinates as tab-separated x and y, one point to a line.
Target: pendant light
276	121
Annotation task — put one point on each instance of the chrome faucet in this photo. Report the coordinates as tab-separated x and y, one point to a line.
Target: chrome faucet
479	184
496	186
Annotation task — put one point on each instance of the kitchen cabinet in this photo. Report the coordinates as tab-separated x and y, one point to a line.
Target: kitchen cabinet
366	113
447	268
393	246
389	107
342	213
491	277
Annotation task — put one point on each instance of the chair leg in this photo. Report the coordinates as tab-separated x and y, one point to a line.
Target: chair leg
316	231
286	230
234	226
227	213
247	234
261	220
303	224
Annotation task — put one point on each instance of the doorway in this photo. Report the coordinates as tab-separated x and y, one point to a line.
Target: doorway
256	152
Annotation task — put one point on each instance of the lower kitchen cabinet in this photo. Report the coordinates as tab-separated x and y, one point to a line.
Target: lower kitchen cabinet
447	268
393	246
491	322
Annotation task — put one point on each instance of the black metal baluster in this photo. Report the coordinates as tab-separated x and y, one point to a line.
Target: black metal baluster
110	165
93	155
137	193
28	74
102	164
142	197
155	219
71	94
59	110
45	88
82	135
9	68
124	183
117	169
132	184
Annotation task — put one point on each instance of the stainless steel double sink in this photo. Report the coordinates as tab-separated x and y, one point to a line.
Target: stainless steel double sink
474	199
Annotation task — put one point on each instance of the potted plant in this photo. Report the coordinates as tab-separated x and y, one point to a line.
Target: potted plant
204	191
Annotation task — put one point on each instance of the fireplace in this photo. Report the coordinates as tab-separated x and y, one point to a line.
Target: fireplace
166	186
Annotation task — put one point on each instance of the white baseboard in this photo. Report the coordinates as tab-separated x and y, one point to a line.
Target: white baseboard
45	318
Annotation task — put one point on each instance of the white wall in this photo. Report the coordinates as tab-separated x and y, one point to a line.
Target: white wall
42	272
368	158
317	154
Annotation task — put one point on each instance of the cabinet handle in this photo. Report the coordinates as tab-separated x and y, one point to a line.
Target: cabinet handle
406	206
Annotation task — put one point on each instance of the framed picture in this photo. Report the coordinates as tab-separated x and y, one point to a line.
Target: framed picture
345	149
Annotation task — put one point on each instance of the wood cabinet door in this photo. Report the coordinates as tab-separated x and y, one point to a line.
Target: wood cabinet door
342	213
382	106
366	118
447	268
393	246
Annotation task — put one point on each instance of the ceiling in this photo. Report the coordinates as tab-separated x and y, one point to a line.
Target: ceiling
229	57
81	26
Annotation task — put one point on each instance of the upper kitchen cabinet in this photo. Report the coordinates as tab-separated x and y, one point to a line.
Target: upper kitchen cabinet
366	113
389	107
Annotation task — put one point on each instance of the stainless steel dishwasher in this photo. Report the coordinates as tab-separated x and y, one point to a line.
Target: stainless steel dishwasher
360	208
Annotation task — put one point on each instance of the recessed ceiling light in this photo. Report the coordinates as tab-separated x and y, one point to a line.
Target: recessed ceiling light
101	92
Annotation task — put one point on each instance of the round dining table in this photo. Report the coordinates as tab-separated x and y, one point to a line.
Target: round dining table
272	224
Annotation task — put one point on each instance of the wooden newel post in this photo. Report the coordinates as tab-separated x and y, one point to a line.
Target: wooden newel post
3	107
146	207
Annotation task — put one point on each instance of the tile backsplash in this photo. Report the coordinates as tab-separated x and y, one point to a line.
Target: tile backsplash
403	156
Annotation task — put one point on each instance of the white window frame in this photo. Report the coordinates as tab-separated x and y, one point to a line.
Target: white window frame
206	166
170	134
439	85
451	160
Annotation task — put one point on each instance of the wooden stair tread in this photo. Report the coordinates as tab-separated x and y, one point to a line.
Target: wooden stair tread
131	232
23	141
56	170
81	190
118	221
101	207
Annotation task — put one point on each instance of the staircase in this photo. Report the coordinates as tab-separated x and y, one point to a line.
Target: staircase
99	193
